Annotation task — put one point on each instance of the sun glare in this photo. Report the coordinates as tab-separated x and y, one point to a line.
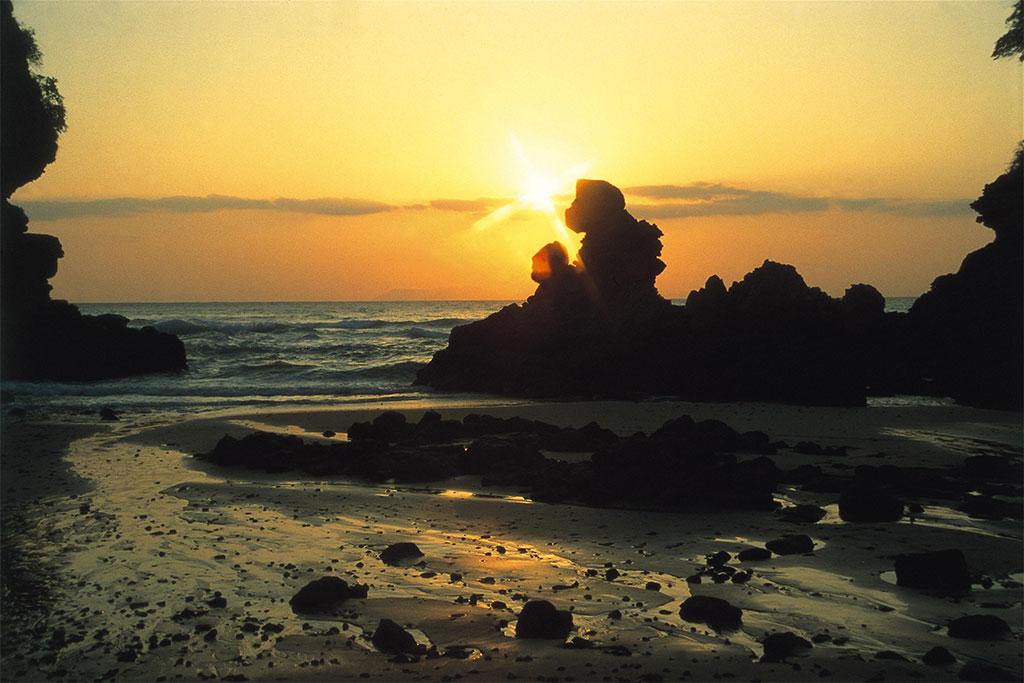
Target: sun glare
539	192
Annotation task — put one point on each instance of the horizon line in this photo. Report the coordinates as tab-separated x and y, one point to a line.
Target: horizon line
358	301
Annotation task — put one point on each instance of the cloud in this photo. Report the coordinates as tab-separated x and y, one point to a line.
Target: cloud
59	209
656	202
717	199
482	205
942	207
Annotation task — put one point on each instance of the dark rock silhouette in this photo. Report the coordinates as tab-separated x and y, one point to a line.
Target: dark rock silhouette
968	329
324	595
598	327
42	338
539	619
979	627
944	570
779	646
715	612
396	553
390	637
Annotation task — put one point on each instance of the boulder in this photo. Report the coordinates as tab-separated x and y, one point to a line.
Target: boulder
390	637
943	570
979	627
398	553
802	514
867	503
754	554
539	619
715	612
938	656
324	595
791	545
779	646
983	671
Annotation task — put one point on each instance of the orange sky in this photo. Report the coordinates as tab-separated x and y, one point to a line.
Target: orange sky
845	138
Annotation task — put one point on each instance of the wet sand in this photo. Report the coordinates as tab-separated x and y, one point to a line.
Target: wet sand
135	538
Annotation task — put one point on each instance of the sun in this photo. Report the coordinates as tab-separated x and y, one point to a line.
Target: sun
538	192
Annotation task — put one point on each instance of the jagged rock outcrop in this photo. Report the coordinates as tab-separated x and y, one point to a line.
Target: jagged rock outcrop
599	327
967	331
42	338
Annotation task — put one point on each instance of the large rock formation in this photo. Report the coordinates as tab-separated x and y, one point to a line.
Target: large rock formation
599	327
967	329
41	338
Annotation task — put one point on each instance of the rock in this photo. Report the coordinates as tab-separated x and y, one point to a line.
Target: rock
390	637
983	671
754	554
323	595
717	559
611	574
217	602
803	514
330	434
653	586
944	570
938	656
539	619
107	413
979	627
867	503
715	612
966	331
397	553
791	545
779	646
597	325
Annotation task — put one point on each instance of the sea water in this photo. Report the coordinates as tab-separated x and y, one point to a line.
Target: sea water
279	353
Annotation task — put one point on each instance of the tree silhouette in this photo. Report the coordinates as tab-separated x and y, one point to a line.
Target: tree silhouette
31	108
1012	42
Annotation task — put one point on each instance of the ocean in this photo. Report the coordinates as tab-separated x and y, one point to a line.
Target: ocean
280	353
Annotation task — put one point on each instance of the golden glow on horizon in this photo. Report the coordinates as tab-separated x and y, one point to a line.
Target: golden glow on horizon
348	99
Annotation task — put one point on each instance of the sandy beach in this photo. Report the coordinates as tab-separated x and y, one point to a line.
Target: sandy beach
120	560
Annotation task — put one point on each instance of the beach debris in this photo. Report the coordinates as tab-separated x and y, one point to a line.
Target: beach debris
390	637
938	656
779	646
979	627
791	544
803	514
863	502
944	570
753	554
811	448
397	553
539	619
983	671
324	594
715	612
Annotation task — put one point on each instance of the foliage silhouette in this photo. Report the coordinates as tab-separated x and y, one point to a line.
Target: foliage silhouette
1012	42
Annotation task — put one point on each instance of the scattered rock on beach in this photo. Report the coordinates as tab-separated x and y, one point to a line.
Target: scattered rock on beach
396	553
540	619
938	656
979	627
715	612
754	554
866	503
779	646
803	514
107	413
983	671
324	594
944	570
390	637
792	544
